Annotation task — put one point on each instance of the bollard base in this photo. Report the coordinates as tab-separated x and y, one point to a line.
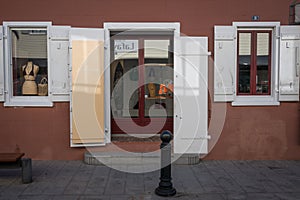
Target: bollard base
165	192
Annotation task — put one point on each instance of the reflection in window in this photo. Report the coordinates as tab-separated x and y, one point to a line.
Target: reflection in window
29	62
158	75
254	62
262	63
125	77
141	76
244	62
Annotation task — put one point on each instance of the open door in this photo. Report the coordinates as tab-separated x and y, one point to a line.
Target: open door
87	96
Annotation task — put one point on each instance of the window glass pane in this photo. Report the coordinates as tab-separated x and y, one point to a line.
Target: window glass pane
244	58
29	62
262	63
158	78
125	78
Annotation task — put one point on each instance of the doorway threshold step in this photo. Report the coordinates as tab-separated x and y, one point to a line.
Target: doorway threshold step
131	158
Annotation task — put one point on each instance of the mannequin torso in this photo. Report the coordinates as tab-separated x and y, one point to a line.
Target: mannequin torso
30	71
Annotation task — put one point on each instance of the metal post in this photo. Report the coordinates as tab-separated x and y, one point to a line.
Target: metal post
26	170
165	187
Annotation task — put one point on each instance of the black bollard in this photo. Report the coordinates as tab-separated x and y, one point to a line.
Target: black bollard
165	187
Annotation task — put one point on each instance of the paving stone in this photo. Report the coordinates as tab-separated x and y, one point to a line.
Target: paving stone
234	196
116	183
187	179
151	181
134	184
267	168
288	196
262	196
13	190
226	182
94	197
35	197
207	181
65	197
75	187
249	183
98	181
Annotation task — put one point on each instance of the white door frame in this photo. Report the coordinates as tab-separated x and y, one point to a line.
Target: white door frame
115	26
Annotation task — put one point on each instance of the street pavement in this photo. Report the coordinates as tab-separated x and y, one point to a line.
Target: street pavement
211	180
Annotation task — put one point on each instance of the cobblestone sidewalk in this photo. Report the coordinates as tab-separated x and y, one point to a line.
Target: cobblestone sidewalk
208	180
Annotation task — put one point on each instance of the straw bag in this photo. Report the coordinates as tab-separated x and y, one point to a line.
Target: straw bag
43	87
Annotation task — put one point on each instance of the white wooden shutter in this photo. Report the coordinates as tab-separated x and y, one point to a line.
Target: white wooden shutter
225	63
87	96
289	63
59	61
190	91
1	66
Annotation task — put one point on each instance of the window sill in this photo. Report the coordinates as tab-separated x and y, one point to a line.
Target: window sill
255	101
34	102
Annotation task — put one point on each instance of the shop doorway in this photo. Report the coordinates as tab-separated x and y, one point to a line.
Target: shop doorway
141	74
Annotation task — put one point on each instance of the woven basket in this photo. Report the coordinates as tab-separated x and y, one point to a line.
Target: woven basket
43	87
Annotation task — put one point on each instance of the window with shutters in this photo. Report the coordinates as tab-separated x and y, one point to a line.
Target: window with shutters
254	62
34	63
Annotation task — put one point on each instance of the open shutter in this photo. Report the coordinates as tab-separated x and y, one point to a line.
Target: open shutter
225	63
289	63
87	98
191	90
1	66
59	60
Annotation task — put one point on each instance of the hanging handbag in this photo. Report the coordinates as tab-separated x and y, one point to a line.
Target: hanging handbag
43	87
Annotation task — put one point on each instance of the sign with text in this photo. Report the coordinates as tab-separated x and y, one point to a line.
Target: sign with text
126	46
